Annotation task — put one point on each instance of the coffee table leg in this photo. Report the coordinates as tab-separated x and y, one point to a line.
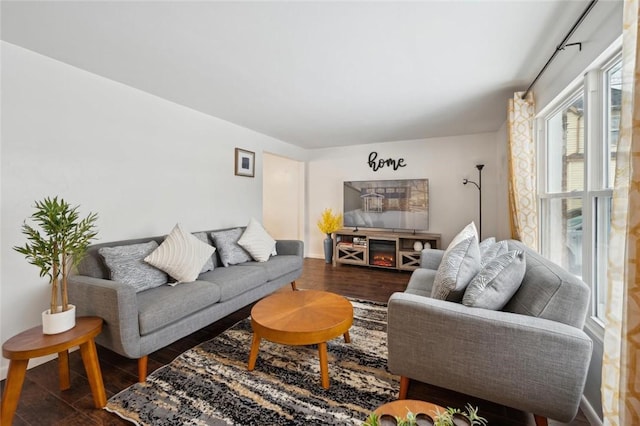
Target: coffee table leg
12	389
63	370
253	355
347	338
324	364
92	367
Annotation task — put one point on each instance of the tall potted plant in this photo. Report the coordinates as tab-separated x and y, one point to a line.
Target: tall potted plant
56	245
328	224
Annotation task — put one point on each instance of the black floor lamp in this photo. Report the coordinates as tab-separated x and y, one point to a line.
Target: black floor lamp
479	186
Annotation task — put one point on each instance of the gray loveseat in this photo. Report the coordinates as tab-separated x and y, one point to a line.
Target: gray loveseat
532	355
137	324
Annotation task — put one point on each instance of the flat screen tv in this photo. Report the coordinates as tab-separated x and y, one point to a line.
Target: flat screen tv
387	204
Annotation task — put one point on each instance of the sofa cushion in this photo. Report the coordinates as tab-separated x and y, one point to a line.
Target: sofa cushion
497	282
227	244
547	290
208	265
460	263
235	280
126	265
257	241
163	305
181	255
278	266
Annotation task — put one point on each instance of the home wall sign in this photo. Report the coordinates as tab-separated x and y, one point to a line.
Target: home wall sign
376	164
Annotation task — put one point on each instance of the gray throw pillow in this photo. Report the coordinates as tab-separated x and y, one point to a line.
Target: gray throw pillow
459	265
485	244
208	265
226	243
493	251
126	265
497	282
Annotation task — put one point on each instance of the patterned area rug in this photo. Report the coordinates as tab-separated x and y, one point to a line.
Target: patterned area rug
210	384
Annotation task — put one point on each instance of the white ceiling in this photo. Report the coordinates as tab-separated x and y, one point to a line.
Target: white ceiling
314	74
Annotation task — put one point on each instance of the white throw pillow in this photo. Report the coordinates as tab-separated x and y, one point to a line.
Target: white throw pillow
257	241
460	263
181	255
208	265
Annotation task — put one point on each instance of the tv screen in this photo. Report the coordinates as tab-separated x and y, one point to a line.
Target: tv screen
387	204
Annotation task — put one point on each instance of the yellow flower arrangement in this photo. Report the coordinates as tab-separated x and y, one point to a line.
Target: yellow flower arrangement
329	222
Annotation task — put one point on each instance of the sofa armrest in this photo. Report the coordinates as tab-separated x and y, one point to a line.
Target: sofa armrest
291	247
431	258
529	363
114	302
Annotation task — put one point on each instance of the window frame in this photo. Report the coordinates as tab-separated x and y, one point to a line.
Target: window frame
594	86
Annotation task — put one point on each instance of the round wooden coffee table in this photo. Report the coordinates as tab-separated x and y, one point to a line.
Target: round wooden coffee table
304	317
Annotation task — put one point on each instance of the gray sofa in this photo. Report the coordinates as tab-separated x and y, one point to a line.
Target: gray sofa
532	355
137	324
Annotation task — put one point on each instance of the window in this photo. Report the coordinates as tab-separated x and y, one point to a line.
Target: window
578	142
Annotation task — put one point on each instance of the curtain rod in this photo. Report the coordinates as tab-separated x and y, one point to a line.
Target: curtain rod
563	44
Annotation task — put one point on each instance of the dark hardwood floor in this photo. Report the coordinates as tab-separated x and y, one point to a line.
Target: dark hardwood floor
42	403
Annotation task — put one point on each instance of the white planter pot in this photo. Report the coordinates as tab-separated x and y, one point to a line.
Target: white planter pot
59	322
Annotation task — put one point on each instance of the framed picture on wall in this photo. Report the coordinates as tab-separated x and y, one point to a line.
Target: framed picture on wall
245	163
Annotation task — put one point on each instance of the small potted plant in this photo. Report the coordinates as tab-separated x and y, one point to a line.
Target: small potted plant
57	244
450	417
328	224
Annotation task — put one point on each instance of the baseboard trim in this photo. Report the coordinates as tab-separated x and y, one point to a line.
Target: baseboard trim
591	415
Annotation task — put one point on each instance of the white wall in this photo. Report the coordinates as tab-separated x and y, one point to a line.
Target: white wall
141	162
599	29
444	161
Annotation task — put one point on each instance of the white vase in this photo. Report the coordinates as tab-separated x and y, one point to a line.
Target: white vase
417	246
58	322
427	245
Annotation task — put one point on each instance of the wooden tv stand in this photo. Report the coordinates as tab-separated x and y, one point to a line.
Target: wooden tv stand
380	249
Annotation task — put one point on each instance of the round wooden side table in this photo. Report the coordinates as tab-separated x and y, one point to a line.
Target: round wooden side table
33	343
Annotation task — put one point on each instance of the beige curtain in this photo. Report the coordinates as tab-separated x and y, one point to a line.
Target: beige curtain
620	370
522	170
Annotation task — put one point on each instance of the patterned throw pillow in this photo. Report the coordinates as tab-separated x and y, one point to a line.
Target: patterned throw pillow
460	263
257	241
493	251
485	244
227	245
208	265
126	265
181	255
497	282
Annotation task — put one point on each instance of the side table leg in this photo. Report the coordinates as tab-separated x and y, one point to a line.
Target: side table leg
12	389
253	355
92	367
347	338
63	370
324	364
